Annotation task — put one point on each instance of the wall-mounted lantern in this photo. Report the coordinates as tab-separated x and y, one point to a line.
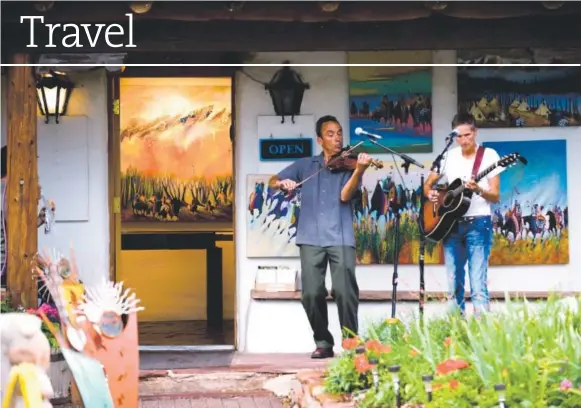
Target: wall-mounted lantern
286	89
53	91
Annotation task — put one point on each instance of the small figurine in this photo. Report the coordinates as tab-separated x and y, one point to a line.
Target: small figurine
25	361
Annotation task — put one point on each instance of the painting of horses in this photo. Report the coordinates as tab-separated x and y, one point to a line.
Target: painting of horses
272	220
531	222
176	152
531	96
384	194
394	102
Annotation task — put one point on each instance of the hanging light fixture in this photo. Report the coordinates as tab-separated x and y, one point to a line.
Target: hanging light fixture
53	91
286	89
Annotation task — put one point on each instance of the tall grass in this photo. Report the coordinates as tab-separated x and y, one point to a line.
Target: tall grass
533	349
195	193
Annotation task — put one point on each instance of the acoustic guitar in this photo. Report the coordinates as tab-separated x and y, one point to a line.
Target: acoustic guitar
454	201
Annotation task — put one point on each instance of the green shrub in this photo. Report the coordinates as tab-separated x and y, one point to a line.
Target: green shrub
533	350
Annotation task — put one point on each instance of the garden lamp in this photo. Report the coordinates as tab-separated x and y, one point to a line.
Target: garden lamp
500	388
286	89
394	370
373	362
427	379
53	91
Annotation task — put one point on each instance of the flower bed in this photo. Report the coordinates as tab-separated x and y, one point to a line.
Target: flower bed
529	356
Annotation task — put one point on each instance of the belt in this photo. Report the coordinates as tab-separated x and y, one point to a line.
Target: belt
473	218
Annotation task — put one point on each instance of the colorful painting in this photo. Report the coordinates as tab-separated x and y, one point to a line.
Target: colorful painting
534	96
384	193
176	152
531	222
272	220
392	102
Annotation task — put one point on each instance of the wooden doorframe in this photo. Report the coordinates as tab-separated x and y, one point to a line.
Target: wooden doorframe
114	155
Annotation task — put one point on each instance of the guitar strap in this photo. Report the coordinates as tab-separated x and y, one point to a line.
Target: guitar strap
477	161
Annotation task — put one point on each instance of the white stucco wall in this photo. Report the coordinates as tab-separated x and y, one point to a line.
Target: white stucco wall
90	239
281	326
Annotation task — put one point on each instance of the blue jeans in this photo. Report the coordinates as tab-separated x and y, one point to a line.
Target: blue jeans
469	241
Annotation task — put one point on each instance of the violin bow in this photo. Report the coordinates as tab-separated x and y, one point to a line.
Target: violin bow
330	162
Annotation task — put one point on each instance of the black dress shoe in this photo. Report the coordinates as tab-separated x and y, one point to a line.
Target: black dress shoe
322	352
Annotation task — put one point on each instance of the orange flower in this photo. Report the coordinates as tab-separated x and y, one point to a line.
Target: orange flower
350	343
448	342
377	347
413	352
361	364
451	365
453	384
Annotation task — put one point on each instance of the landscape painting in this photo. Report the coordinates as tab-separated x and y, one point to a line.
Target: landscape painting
176	152
394	102
531	222
272	220
533	96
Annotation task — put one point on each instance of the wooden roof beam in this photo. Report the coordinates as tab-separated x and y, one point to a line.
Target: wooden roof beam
433	33
283	11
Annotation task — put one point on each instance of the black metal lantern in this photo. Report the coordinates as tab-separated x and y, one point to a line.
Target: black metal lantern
286	89
53	91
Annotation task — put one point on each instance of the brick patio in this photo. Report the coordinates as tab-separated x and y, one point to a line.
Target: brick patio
236	402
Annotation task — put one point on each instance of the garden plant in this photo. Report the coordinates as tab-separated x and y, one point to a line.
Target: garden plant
527	355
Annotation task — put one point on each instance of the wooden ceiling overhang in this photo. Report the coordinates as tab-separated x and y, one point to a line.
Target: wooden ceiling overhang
225	27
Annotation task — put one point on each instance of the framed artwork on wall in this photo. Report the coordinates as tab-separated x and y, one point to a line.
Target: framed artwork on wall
517	96
272	220
176	153
393	102
531	222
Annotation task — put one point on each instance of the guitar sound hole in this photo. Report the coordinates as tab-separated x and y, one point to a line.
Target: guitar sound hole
448	199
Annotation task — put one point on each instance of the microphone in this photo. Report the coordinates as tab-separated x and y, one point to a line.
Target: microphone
360	131
454	133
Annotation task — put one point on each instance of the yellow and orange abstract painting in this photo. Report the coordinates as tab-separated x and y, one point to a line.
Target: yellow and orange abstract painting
176	151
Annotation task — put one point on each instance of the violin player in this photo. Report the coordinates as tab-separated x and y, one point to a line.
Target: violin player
325	232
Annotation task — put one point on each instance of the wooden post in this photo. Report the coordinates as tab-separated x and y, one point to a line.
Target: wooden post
22	190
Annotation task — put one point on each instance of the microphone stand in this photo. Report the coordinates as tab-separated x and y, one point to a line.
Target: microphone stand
422	250
436	168
396	207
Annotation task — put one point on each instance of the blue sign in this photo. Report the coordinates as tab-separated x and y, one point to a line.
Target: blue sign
285	149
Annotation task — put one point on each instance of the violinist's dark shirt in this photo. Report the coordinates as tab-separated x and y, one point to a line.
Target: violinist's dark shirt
324	220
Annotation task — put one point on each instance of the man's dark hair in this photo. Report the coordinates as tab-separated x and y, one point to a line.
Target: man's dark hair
321	121
4	159
463	119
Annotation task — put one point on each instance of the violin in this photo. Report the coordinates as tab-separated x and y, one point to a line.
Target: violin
346	160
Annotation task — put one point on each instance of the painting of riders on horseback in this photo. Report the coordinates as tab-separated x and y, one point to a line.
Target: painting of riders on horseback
393	102
176	152
530	222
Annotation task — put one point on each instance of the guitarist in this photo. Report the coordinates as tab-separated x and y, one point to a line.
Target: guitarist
470	240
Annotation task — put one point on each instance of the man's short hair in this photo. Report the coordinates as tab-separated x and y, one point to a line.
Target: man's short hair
463	119
321	121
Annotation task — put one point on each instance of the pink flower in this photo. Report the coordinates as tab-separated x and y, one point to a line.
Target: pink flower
566	384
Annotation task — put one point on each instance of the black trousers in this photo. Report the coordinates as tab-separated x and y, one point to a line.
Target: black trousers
345	291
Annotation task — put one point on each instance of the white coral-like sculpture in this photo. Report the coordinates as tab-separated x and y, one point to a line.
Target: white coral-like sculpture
107	297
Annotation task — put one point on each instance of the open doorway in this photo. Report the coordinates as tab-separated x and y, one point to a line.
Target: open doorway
173	200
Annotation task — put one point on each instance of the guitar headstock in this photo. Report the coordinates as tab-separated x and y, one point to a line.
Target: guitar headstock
511	159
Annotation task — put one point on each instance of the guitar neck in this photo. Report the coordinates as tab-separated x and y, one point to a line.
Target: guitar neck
486	171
